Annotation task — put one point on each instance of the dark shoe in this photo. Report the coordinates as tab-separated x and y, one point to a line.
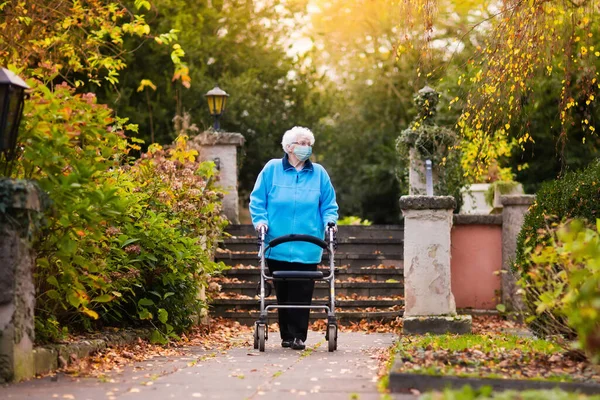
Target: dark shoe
298	344
286	343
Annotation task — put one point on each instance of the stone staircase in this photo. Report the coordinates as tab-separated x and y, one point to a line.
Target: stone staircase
369	275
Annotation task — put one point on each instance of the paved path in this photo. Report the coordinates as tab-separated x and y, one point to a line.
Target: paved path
240	373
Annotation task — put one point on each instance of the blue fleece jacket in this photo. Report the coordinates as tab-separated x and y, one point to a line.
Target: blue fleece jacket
290	201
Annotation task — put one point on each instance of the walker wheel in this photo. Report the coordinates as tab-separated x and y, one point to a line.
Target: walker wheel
255	336
332	337
262	336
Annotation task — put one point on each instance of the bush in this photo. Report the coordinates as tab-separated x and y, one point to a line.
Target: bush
565	281
576	195
123	242
352	220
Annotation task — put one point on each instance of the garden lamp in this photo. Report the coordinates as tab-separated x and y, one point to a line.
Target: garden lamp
216	103
12	99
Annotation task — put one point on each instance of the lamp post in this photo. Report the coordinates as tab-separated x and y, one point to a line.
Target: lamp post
12	99
217	99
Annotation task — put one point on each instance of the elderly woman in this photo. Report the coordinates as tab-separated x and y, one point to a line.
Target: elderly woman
293	195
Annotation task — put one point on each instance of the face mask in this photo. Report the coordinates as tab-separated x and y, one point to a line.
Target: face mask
302	152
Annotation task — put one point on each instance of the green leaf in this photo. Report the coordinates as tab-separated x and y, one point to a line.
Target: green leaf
104	298
157	337
144	314
129	241
73	299
501	307
163	315
168	294
53	294
52	280
145	302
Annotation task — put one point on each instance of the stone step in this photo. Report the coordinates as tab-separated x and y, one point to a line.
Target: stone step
369	289
343	317
344	231
345	245
374	274
253	303
350	260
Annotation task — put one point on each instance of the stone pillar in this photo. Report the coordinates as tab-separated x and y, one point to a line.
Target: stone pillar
513	213
417	181
19	202
429	302
221	147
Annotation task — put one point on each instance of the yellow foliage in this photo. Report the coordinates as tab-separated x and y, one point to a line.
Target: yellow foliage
83	37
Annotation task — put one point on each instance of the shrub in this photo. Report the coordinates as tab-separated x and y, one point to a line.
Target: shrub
565	279
123	243
576	195
352	220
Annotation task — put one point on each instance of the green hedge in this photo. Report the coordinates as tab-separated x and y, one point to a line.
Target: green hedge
576	195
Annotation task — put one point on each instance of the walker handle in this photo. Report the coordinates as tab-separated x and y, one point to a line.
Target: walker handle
298	238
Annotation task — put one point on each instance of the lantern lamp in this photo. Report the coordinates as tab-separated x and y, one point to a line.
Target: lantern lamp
217	99
12	99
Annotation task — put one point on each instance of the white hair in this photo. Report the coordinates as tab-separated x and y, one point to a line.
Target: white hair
291	136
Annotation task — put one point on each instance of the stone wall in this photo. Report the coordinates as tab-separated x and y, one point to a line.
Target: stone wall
20	203
476	252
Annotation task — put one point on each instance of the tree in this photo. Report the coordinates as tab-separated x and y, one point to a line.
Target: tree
377	63
527	39
79	42
242	46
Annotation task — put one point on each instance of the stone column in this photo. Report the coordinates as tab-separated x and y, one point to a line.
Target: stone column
416	174
221	147
417	184
19	202
513	213
429	302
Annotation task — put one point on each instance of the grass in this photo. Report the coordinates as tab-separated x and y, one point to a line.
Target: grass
468	393
384	381
453	355
484	343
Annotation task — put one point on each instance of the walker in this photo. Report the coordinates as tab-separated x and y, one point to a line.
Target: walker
261	333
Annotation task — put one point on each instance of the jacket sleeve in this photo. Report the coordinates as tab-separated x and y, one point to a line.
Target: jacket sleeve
328	205
258	199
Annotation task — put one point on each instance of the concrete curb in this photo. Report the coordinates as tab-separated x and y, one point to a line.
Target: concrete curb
400	382
51	357
437	324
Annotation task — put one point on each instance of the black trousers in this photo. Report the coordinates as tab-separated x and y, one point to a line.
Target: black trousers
293	323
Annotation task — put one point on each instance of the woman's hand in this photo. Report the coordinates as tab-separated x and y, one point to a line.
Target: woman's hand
332	225
262	228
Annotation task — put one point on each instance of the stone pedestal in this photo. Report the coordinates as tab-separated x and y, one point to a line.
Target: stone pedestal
513	213
19	202
417	181
221	147
429	303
